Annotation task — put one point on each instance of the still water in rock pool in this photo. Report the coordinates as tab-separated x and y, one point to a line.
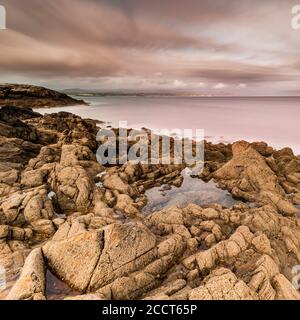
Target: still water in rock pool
192	190
57	289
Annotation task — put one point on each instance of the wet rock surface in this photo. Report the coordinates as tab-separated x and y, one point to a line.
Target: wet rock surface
71	228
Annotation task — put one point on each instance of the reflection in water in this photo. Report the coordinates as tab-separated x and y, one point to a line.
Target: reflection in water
56	289
192	190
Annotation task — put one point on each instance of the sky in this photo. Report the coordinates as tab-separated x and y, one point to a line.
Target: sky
209	47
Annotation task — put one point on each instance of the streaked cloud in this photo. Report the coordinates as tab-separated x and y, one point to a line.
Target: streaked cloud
220	86
248	46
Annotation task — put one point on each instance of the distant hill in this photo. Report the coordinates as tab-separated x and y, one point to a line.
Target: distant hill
22	95
101	93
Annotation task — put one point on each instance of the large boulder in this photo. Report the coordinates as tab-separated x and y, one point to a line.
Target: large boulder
247	176
74	259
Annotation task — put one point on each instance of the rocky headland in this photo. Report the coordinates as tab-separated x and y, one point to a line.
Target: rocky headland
27	96
71	228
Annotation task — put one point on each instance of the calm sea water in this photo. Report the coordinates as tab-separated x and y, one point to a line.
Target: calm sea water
275	120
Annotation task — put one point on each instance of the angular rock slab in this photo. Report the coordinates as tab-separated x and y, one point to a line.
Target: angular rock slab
127	248
73	260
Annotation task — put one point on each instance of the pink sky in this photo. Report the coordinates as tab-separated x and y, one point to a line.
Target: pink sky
244	47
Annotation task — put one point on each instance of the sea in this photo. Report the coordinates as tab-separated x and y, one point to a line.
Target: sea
275	120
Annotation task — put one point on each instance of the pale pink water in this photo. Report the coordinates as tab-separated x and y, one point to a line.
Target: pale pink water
274	120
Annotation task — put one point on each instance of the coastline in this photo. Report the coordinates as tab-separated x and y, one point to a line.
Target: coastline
149	155
219	127
28	96
66	211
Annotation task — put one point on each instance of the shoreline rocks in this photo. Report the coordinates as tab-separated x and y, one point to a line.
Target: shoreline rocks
84	222
27	96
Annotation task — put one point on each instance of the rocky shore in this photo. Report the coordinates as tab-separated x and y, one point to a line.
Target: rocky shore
26	96
65	215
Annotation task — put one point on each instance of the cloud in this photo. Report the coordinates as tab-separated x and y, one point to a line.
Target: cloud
219	86
179	84
236	72
169	43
